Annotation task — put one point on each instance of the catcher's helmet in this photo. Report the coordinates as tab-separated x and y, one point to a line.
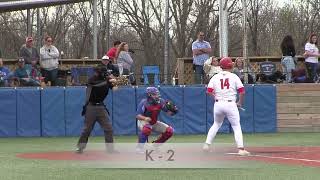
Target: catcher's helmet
226	63
153	94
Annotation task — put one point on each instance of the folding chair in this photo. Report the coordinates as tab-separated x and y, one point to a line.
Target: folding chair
151	70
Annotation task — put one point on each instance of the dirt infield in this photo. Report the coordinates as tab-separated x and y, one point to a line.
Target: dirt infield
302	156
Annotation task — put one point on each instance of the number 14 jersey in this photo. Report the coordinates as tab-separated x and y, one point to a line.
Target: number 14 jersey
225	85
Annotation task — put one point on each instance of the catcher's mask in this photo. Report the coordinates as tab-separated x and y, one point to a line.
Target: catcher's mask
153	94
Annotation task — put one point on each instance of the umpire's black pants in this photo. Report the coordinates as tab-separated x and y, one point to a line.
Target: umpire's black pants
95	114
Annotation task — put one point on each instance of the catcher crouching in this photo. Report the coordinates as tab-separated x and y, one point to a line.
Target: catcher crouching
147	118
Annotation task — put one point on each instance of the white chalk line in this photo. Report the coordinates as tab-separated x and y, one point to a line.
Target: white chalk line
276	157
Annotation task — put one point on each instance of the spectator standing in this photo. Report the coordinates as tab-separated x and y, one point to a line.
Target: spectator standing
311	57
113	51
4	74
125	61
288	54
200	50
211	67
49	61
28	52
239	70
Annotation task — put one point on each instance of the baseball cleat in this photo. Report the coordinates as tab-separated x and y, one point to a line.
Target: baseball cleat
206	147
139	150
112	151
243	152
79	150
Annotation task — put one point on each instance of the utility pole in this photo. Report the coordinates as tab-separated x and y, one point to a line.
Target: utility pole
39	39
108	24
223	28
29	23
95	30
166	43
245	41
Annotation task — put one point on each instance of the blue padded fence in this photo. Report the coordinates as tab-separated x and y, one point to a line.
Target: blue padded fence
175	95
57	111
74	100
8	115
53	112
265	108
124	111
28	112
194	103
246	117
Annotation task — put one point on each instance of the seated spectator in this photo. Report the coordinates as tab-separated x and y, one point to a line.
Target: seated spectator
269	73
23	74
299	75
239	70
211	67
35	71
4	75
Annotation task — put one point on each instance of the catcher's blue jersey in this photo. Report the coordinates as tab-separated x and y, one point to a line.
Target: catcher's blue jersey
149	109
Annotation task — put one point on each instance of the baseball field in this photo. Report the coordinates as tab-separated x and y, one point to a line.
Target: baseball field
274	156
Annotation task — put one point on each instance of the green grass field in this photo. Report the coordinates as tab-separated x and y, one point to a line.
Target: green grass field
13	168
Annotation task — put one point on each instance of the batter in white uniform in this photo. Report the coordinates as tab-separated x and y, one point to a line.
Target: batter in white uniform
224	87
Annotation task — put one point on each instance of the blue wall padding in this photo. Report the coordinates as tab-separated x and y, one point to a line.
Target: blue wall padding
28	112
124	111
74	100
246	117
57	111
225	128
195	118
140	93
8	113
97	131
174	94
265	112
52	112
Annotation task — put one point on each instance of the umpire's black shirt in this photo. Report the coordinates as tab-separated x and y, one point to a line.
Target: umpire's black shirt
99	93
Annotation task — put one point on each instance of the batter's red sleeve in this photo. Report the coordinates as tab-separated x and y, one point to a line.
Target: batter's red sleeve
210	90
241	90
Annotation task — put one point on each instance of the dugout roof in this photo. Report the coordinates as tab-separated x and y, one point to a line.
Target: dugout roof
8	6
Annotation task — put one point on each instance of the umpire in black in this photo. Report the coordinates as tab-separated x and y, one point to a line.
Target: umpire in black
95	110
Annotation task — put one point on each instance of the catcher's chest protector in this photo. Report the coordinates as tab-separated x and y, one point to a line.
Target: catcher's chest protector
153	111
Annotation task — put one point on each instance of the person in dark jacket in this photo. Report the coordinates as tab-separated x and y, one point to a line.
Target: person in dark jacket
96	111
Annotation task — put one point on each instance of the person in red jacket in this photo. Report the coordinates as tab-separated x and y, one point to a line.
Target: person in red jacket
111	53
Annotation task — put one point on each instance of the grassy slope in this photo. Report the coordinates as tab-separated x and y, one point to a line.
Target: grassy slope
12	168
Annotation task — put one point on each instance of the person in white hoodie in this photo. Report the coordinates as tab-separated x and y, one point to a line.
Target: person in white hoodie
49	61
211	67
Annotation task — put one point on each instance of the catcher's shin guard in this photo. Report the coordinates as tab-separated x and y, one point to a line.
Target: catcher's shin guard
165	136
145	132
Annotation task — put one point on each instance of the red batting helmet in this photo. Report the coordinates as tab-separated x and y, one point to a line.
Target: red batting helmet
226	63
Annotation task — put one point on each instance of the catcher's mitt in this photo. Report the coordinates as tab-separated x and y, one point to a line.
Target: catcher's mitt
170	106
